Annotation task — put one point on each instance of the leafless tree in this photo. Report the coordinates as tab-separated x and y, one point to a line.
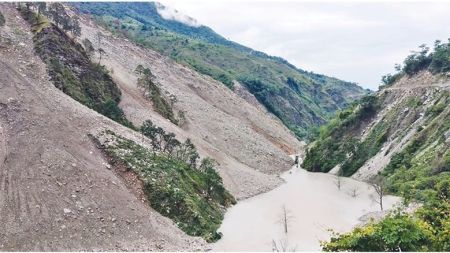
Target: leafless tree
354	192
338	181
285	218
282	246
100	52
380	189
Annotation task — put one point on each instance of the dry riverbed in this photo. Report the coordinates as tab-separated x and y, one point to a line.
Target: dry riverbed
314	204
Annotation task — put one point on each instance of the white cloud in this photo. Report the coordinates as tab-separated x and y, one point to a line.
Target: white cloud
354	41
169	13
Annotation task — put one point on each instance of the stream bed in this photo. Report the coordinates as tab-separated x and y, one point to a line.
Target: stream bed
313	204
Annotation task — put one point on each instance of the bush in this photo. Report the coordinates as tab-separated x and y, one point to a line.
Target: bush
397	232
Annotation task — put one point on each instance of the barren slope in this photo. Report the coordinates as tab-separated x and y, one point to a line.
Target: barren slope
56	192
242	137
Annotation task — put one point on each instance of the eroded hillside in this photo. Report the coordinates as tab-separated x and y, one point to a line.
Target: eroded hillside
399	140
301	100
62	191
57	192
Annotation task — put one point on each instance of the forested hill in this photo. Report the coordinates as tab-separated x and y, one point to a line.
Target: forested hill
399	140
302	100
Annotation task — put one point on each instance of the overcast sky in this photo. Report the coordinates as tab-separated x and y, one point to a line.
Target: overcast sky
354	41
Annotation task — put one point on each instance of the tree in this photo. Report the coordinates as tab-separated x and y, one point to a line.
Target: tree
100	52
139	69
338	181
285	218
88	47
75	27
2	19
380	189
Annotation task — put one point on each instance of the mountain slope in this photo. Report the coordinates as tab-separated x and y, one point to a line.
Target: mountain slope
302	100
398	139
56	191
78	190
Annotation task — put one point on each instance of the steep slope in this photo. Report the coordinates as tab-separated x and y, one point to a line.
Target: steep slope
302	100
57	192
398	139
74	188
248	143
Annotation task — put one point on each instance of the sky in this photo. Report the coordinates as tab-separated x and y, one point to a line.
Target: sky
354	41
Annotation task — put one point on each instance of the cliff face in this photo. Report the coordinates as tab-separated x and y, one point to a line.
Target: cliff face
361	141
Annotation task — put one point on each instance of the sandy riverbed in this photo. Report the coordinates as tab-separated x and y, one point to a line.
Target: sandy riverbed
314	205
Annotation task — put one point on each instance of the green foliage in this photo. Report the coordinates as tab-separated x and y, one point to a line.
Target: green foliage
366	149
192	197
440	62
419	173
397	232
2	19
414	102
436	109
302	100
72	71
417	61
160	103
337	139
390	79
437	61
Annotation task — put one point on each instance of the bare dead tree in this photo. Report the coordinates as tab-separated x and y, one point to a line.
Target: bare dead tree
354	192
380	189
285	218
338	181
282	246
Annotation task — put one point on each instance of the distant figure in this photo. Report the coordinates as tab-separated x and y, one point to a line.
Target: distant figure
296	161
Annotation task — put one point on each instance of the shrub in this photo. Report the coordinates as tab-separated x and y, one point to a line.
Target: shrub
397	232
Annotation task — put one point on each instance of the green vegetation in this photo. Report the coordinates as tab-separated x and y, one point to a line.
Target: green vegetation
189	192
302	100
2	19
338	140
71	69
437	61
160	103
419	173
397	232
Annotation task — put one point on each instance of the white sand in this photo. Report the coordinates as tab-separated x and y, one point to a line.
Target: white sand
314	203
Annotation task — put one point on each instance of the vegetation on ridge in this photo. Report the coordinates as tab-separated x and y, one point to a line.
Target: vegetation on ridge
436	61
